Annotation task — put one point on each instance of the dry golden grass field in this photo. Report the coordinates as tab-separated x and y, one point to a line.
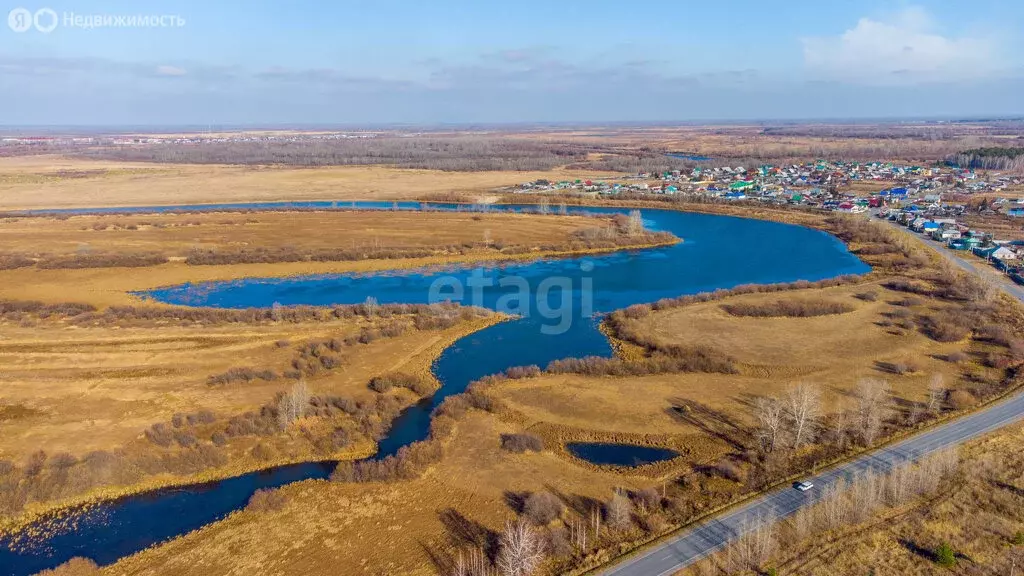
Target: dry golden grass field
416	526
448	237
697	412
99	398
417	523
58	182
175	235
70	389
380	528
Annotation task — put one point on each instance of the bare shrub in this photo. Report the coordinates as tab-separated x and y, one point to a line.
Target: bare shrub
98	260
263	452
944	329
160	435
956	357
74	567
241	374
671	359
867	296
961	399
542	508
266	500
520	372
787	308
521	442
201	417
637	311
730	470
386	382
13	261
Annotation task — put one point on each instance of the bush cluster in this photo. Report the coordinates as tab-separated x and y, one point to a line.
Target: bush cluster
803	308
521	442
386	382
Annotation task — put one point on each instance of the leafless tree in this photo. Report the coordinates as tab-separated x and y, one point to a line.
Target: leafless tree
293	404
803	406
770	418
835	507
873	406
802	522
936	392
475	563
865	495
755	547
370	306
520	551
595	521
578	534
619	511
840	422
635	226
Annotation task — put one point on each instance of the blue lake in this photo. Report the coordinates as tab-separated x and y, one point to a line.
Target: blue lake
563	301
688	156
630	455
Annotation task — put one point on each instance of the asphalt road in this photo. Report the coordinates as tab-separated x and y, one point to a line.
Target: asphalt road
968	266
714	534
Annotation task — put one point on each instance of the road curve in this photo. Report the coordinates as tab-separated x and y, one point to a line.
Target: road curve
714	534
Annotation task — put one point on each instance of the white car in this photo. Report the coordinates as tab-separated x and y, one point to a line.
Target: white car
803	486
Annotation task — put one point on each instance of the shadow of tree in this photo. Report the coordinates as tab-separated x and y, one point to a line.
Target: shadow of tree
516	500
463	532
917	550
579	504
714	423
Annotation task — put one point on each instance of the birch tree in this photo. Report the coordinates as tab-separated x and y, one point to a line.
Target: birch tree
872	408
635	227
770	418
520	551
936	392
803	405
619	512
293	404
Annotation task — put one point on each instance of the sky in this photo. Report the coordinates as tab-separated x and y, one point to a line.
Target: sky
371	62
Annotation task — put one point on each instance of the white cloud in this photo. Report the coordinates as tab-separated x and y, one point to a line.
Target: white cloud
169	71
904	48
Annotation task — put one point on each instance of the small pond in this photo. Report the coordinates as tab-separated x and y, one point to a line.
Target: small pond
606	454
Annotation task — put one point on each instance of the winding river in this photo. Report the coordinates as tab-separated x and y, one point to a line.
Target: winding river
559	301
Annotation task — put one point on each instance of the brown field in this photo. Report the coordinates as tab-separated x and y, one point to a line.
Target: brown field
833	352
1001	227
453	237
419	525
77	391
56	182
407	528
175	235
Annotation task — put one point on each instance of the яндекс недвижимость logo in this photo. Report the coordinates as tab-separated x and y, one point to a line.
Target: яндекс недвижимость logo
47	20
